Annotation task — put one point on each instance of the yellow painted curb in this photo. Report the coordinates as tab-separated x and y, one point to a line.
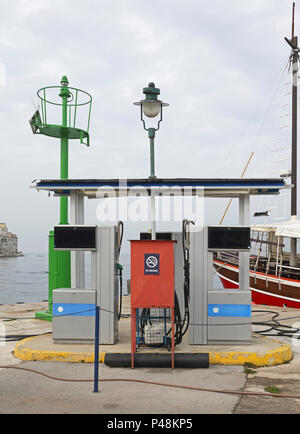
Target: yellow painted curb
280	355
29	354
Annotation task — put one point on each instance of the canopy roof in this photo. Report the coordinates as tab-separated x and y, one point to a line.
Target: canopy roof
94	188
289	229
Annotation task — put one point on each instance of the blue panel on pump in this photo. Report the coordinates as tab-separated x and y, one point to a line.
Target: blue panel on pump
229	310
73	309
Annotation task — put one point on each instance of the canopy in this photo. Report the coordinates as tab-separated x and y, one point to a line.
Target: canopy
97	188
289	229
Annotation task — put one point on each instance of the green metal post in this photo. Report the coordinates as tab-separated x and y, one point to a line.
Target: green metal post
151	132
62	260
64	149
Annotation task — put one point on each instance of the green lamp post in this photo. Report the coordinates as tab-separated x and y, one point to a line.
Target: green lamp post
70	100
151	107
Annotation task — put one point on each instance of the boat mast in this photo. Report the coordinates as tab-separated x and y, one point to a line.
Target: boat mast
293	42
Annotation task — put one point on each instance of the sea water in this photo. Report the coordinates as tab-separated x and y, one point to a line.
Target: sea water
25	278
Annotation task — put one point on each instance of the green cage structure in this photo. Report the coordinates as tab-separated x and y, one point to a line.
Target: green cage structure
71	122
71	100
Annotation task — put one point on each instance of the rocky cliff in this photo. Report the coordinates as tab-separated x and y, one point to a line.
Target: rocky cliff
8	242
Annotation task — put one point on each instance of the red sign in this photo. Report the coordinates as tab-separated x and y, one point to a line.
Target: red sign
152	273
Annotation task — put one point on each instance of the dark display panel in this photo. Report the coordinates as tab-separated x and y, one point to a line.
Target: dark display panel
229	238
75	237
159	236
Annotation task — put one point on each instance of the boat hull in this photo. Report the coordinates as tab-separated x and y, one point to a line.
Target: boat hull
265	289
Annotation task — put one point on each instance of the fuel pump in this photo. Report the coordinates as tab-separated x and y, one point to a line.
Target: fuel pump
219	316
74	308
153	319
152	288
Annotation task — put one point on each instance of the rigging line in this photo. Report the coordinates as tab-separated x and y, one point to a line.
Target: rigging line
230	201
269	163
258	134
269	106
246	123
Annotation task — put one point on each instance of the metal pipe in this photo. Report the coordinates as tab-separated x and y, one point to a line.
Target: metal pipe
153	215
151	132
293	43
96	350
293	258
64	155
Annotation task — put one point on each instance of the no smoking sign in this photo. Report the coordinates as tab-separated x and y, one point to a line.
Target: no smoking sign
151	263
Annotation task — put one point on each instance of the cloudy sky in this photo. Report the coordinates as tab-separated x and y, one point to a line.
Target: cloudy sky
219	64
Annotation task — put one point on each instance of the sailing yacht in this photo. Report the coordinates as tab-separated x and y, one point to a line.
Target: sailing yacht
274	270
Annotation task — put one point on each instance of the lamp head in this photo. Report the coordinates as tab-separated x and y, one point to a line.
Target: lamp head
151	105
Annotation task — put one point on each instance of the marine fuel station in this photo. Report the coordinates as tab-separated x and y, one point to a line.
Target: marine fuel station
172	287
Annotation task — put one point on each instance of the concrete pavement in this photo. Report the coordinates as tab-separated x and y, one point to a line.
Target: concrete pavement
263	351
28	392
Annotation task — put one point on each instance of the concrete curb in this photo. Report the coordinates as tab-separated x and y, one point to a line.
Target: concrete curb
29	354
280	355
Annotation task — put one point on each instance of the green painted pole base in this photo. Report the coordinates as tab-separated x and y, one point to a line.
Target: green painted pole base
59	275
44	315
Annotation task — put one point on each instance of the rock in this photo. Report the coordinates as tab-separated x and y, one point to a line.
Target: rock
8	243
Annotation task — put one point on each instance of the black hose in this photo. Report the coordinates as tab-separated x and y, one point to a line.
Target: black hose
14	338
274	326
186	283
178	322
121	226
120	268
145	318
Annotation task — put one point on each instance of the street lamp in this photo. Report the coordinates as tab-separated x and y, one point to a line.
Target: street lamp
151	107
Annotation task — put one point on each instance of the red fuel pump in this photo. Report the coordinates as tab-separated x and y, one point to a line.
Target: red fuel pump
152	283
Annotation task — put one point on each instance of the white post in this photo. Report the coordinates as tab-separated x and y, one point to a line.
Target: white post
77	258
244	220
153	222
